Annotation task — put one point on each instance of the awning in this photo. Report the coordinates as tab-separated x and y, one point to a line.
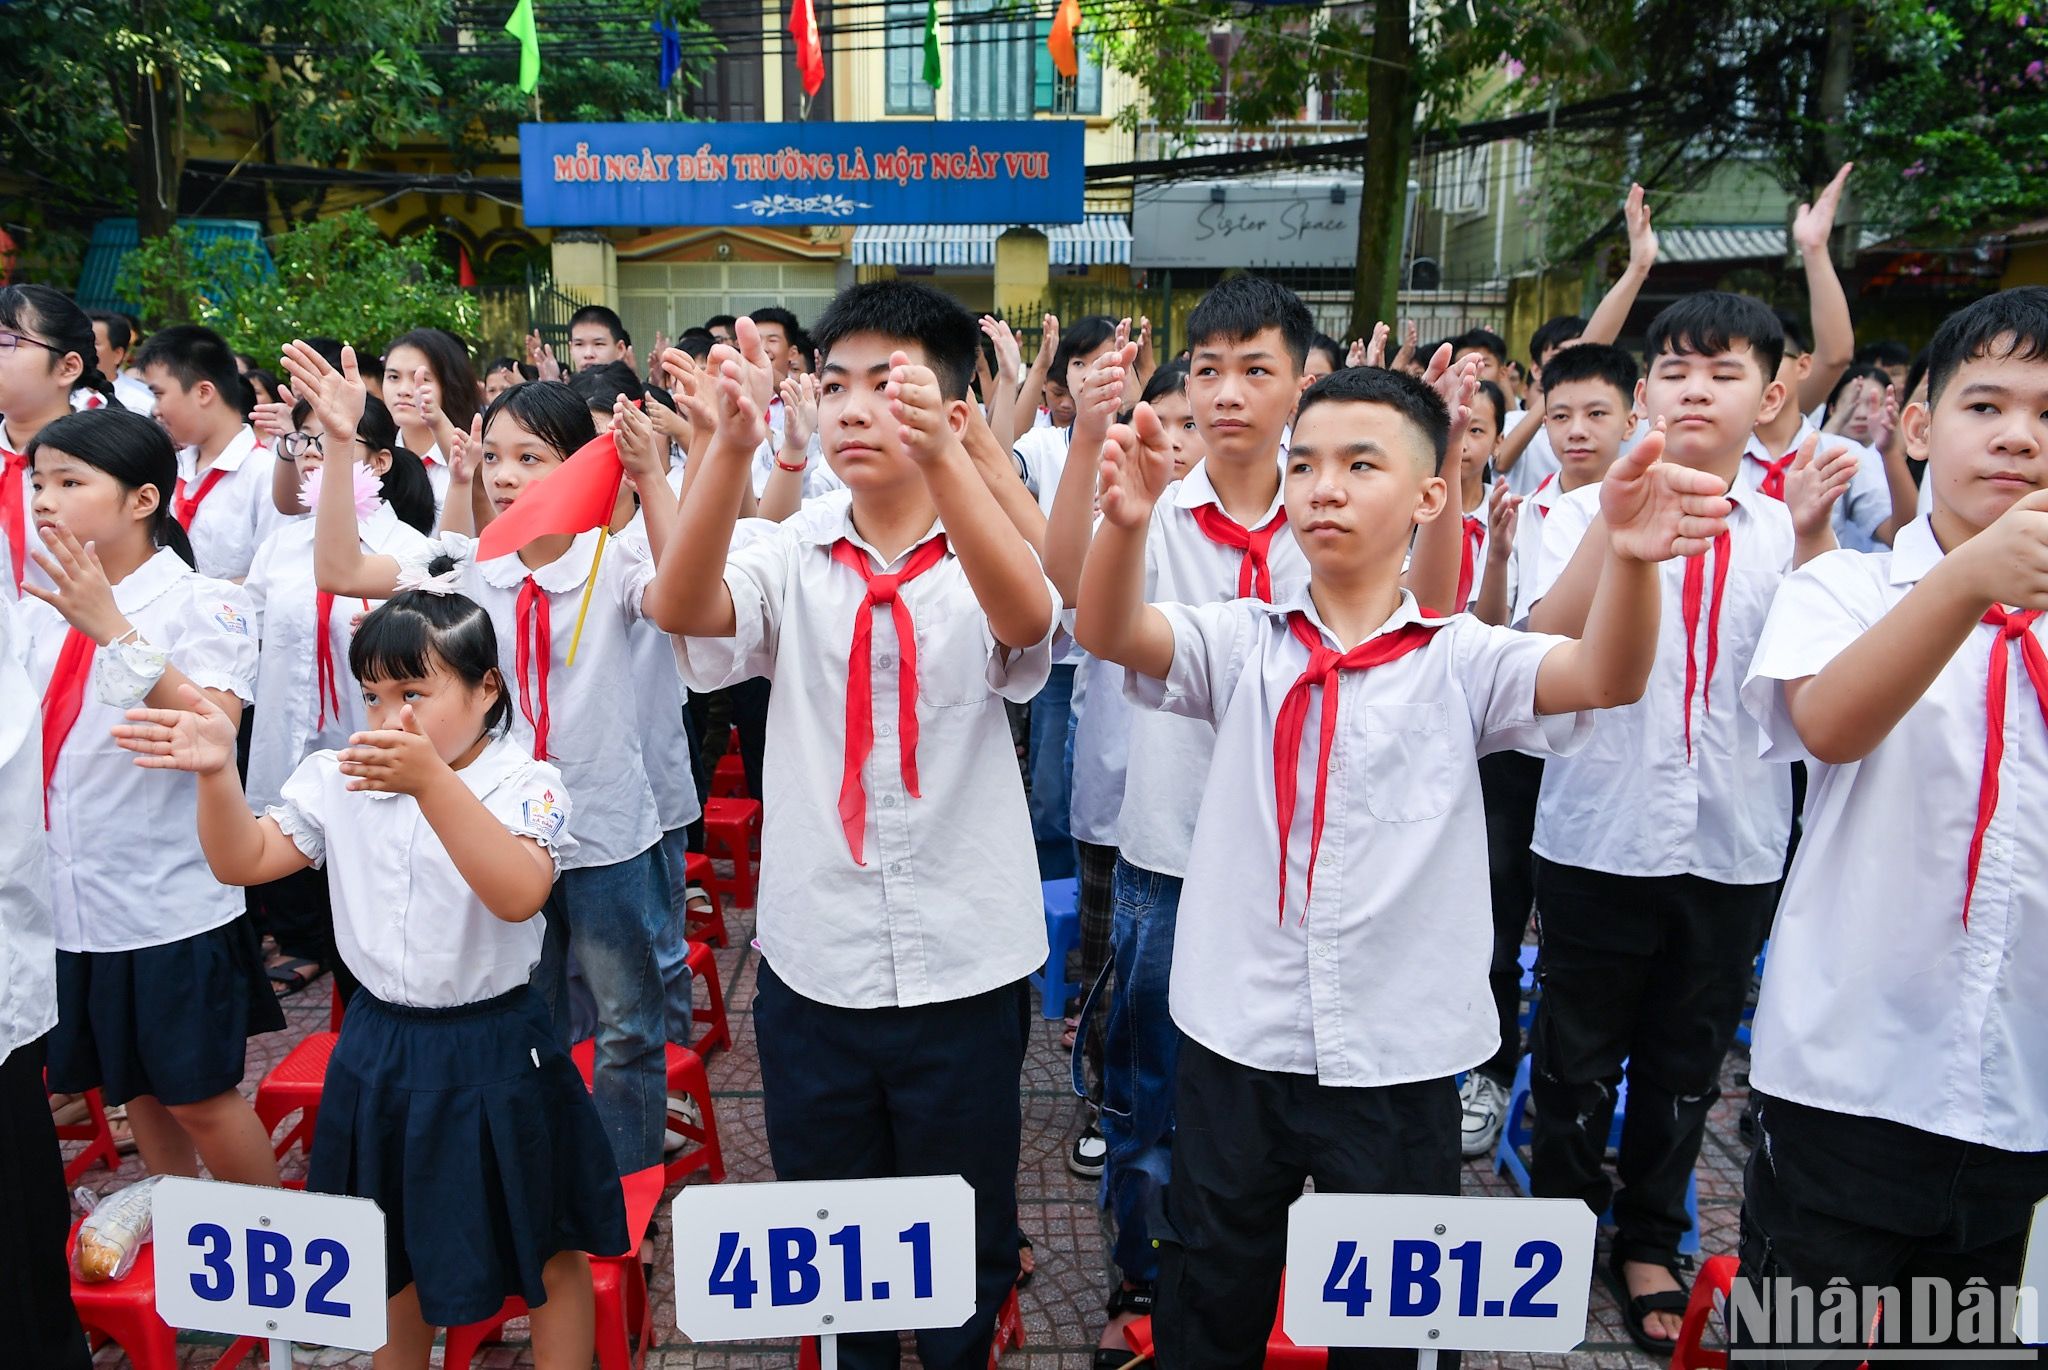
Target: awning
1734	243
1098	240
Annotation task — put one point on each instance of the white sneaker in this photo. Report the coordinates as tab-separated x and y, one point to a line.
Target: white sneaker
685	1108
1484	1108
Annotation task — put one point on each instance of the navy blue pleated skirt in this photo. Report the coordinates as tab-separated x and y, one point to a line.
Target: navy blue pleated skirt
473	1131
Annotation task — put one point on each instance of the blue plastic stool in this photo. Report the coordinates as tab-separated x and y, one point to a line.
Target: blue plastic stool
1062	935
1530	992
1515	1134
1749	1009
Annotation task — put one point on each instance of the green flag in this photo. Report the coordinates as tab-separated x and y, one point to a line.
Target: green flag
934	74
521	26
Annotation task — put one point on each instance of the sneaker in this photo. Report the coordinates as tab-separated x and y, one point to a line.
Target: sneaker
1484	1105
1089	1153
684	1107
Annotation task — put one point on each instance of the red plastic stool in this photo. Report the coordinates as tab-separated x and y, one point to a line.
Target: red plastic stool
1717	1275
729	777
94	1132
717	1032
1009	1333
294	1086
697	870
686	1077
1281	1351
731	826
123	1311
625	1316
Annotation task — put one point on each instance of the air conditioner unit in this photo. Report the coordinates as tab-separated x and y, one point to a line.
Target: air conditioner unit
1425	274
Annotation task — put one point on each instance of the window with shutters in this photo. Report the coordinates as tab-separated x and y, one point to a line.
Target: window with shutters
904	59
1052	93
992	70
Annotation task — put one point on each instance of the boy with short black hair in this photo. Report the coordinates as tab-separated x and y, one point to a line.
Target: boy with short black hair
720	327
1323	1045
598	337
223	494
1489	347
899	906
115	333
1902	1038
1660	844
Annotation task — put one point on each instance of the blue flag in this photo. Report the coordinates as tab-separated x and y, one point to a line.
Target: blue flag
671	51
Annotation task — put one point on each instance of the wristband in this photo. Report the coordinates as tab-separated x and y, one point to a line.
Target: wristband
799	469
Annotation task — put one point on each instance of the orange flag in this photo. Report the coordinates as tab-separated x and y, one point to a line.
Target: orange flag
810	56
1060	42
575	499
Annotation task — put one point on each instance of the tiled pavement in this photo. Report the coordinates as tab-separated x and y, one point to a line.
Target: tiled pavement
1062	1307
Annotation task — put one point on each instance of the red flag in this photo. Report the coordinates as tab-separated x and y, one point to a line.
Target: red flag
575	499
1060	42
810	57
465	274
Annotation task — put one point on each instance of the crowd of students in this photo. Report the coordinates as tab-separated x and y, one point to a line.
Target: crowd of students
1566	639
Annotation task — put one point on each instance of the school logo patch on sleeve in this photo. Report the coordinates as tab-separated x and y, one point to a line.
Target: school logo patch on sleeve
232	620
542	817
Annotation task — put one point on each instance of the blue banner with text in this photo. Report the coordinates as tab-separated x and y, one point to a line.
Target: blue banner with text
666	175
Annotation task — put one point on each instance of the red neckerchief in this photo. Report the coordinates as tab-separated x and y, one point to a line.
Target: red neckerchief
2013	626
1772	482
62	699
1292	721
1254	576
1474	534
1542	509
533	651
14	511
1690	595
185	510
860	696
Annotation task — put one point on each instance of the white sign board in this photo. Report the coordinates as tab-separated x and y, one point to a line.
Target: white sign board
273	1263
2028	1325
821	1257
1440	1274
1295	222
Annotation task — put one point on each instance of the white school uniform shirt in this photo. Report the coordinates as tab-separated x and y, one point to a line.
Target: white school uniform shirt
238	512
819	478
283	599
1538	460
1381	979
948	903
1102	745
1526	564
1877	1000
1862	507
1630	803
1169	752
135	396
593	739
658	704
126	870
28	946
438	476
1041	454
405	921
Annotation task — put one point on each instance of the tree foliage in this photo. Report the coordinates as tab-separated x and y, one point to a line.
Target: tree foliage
336	277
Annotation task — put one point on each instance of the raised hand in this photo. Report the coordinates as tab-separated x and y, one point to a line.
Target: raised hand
1145	361
1814	482
1656	510
919	408
1009	352
633	436
1642	238
541	357
1102	390
274	420
199	737
79	589
1455	384
399	760
1851	405
1502	520
1048	341
799	411
1887	422
337	395
1411	342
760	372
2008	562
465	451
740	420
1137	466
1814	223
1375	353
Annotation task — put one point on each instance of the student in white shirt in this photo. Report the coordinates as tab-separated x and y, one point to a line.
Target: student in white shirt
1586	404
448	1100
610	899
1321	1038
431	389
47	358
113	334
1482	577
1902	1039
223	497
304	702
899	902
1660	844
159	978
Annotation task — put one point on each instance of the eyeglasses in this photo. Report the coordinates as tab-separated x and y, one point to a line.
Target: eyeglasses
10	341
296	445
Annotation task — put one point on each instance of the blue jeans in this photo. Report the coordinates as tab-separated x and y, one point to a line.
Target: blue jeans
1140	1048
1052	774
613	916
671	946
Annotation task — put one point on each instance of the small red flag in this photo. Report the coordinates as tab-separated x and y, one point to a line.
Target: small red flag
810	57
577	498
465	274
1060	42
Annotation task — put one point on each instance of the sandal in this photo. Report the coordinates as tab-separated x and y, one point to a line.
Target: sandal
293	974
1636	1309
1024	1272
1121	1301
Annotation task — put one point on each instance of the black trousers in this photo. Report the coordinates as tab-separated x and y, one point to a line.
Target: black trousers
1245	1142
1877	1204
854	1094
1650	970
35	1296
1508	784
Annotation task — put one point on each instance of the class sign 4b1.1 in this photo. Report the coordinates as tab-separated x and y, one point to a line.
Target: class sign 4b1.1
1468	1274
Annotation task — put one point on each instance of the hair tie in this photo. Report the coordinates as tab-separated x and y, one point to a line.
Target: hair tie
449	582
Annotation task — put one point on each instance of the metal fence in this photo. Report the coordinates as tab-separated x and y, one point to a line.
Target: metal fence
549	309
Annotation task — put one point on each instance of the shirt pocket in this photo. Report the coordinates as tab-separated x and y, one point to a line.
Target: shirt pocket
952	659
1407	762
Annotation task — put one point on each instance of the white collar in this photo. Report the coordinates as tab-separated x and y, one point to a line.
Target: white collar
231	457
834	520
1301	602
1194	490
149	580
566	572
1914	552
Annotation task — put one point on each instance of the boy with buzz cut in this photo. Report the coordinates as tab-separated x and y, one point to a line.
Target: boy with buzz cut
223	493
1659	846
899	908
1321	1036
598	337
1901	1061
